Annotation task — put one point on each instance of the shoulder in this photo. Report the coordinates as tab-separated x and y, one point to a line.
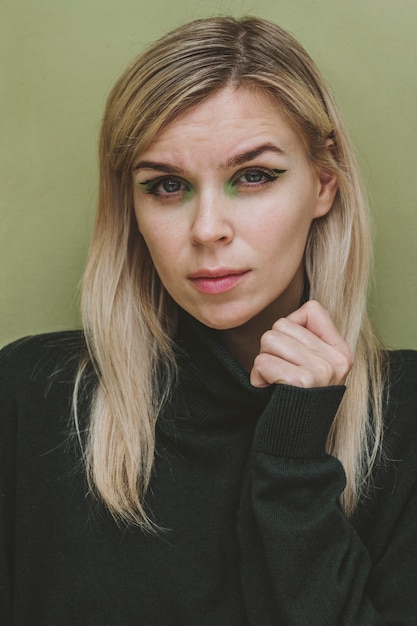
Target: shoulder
30	360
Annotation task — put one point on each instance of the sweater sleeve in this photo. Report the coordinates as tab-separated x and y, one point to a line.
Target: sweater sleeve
7	502
27	372
306	559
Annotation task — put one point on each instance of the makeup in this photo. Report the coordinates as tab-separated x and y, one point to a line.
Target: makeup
167	187
252	178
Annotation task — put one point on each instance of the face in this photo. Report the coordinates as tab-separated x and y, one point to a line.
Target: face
224	198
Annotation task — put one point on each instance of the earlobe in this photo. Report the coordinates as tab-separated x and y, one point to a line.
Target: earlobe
327	194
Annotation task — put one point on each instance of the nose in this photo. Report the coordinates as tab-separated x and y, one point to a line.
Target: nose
211	221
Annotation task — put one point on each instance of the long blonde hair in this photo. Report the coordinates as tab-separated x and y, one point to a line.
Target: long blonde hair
128	318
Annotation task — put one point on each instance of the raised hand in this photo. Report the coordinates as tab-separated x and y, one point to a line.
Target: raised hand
304	349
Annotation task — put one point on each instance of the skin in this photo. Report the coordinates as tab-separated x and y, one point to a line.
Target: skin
228	188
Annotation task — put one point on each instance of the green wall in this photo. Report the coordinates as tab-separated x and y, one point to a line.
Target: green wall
58	60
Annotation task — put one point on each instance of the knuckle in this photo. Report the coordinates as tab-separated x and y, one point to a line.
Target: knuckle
313	305
343	362
306	379
268	340
261	361
324	372
265	341
281	324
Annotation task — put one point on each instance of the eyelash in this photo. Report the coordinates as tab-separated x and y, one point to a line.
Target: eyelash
151	186
270	176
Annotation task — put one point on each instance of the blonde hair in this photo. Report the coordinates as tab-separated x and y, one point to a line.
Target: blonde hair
128	318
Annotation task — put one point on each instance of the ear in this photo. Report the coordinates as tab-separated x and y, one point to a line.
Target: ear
327	193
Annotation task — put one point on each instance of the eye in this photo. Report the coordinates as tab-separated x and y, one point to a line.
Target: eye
165	186
256	177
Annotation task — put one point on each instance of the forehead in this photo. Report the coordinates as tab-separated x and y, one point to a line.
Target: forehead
229	118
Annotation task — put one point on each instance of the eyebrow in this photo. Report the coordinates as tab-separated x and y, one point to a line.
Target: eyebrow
234	161
160	167
250	155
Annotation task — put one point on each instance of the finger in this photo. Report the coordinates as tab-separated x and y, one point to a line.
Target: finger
283	359
290	342
268	369
295	343
320	359
317	320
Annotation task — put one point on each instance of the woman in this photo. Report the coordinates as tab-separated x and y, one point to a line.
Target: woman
195	456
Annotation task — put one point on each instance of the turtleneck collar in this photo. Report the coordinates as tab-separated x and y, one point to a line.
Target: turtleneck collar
214	385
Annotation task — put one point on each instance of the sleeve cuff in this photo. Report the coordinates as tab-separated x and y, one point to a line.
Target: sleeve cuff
296	422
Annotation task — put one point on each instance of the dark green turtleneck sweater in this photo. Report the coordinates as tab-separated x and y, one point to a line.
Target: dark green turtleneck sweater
242	486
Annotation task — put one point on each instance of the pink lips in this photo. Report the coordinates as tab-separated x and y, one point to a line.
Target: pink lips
216	281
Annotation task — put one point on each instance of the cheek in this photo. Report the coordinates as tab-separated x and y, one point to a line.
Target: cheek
286	233
152	231
288	216
157	246
160	230
163	244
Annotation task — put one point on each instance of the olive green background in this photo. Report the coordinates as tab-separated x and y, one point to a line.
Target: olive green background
59	59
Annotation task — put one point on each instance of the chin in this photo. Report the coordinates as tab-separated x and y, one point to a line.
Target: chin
224	322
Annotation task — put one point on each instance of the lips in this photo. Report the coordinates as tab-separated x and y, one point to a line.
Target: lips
213	281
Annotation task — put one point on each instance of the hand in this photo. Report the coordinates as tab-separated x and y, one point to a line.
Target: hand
304	350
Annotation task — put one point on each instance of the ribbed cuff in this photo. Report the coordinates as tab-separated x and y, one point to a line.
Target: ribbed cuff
296	422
